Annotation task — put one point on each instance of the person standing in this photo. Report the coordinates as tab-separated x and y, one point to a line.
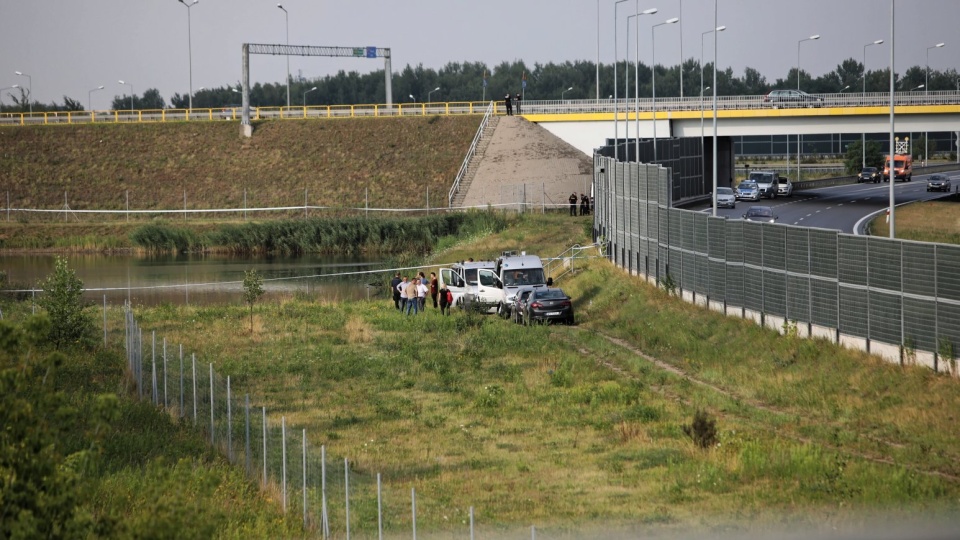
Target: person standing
434	288
422	291
506	103
573	204
410	293
445	300
401	288
396	292
518	99
584	205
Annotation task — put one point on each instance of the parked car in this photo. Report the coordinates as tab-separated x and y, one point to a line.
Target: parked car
726	198
785	187
550	304
760	213
520	304
794	98
939	182
748	191
870	174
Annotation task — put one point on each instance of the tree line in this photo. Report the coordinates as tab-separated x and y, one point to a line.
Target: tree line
475	81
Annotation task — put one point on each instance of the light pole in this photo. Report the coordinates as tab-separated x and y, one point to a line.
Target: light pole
702	137
702	89
6	88
430	94
681	48
29	89
926	92
653	68
89	106
563	93
616	108
190	48
811	38
131	92
286	18
863	97
305	95
598	50
636	79
411	97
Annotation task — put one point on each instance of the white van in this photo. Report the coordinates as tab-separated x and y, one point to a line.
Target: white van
462	279
513	273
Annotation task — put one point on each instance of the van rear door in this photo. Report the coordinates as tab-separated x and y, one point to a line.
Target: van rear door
454	282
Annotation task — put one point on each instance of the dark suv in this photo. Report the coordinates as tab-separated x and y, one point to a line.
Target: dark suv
869	174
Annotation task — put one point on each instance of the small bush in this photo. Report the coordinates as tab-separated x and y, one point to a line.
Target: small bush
703	430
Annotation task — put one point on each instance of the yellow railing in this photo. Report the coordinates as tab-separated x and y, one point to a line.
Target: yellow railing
235	113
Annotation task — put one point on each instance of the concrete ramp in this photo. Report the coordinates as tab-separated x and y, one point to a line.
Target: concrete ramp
527	166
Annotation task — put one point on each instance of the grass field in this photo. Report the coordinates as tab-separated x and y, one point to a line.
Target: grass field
928	221
585	427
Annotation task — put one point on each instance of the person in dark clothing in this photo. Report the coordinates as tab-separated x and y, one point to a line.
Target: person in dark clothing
445	298
396	292
517	99
506	102
434	286
573	204
584	205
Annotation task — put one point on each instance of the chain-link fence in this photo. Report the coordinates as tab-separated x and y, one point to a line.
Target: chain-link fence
898	299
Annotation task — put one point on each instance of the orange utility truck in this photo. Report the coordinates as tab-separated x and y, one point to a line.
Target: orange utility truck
902	167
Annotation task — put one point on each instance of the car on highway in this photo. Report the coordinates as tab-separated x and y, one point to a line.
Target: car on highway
791	98
785	187
549	304
726	198
939	182
760	213
748	190
870	174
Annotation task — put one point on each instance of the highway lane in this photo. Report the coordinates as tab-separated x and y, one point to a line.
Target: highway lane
839	207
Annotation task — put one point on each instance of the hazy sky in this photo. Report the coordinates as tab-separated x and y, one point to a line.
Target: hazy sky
69	47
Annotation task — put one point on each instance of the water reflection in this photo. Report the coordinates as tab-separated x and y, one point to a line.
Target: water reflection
202	278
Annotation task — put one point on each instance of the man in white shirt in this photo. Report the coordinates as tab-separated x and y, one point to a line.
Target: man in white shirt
422	290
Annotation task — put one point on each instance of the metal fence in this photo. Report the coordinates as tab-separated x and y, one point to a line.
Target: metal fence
895	298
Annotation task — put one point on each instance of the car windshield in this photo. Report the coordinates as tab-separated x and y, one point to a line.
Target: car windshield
759	212
870	169
724	191
937	178
527	276
747	185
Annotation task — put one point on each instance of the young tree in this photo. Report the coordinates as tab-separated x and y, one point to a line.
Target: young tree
62	299
252	290
854	155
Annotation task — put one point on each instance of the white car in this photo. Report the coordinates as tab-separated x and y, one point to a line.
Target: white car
785	188
726	198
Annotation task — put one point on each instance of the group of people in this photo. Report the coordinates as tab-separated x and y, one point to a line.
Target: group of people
509	103
585	204
410	294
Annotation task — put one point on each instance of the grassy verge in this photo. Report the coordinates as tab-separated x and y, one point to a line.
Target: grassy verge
587	426
927	221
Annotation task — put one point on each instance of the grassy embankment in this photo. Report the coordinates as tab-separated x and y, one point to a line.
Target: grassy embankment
397	161
928	221
575	427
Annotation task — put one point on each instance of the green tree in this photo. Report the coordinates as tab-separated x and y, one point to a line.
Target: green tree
252	290
854	156
62	299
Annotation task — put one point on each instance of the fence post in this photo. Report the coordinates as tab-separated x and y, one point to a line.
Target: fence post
244	204
164	373
413	508
324	518
140	363
153	364
471	523
246	445
304	484
346	492
181	380
193	357
379	509
128	206
264	446
283	450
212	438
229	425
104	320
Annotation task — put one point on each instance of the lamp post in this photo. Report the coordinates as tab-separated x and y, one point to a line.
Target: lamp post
653	67
702	137
305	95
926	92
702	89
430	94
598	51
89	106
636	79
131	92
411	97
6	88
563	93
286	18
863	97
681	47
811	38
29	89
616	108
190	48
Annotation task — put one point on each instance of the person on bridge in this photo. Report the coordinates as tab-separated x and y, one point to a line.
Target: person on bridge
506	103
573	204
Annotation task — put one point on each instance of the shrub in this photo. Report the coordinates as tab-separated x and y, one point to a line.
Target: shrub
62	300
703	430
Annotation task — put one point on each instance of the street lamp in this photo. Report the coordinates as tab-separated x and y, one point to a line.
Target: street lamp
811	38
926	91
653	71
616	108
131	92
29	89
564	92
286	18
305	95
411	97
430	93
863	97
190	48
89	106
702	89
636	78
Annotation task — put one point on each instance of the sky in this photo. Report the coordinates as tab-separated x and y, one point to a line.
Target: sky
69	47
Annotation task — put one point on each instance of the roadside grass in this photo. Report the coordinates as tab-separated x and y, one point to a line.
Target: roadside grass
566	427
926	221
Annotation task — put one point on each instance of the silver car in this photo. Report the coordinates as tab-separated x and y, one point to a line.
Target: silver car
748	191
726	198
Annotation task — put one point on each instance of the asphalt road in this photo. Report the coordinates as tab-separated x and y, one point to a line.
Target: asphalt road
839	207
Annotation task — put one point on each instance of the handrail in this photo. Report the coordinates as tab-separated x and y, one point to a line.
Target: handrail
455	188
567	259
530	107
